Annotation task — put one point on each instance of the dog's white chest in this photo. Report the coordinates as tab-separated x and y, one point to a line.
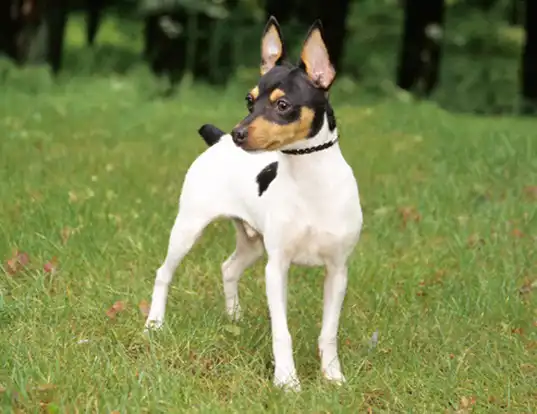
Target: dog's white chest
315	219
311	246
316	243
315	235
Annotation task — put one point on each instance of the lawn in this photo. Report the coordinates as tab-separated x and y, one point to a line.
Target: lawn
91	170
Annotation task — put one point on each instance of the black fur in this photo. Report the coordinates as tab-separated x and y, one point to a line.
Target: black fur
331	117
299	92
266	176
210	134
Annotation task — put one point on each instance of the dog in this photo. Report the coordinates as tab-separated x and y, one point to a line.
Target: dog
281	178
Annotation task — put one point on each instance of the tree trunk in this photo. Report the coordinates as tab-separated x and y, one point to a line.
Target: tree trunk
165	46
484	5
420	53
8	28
513	12
335	29
41	33
56	19
529	57
94	9
283	10
333	19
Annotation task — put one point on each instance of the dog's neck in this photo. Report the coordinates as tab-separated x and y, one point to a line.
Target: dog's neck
320	142
317	165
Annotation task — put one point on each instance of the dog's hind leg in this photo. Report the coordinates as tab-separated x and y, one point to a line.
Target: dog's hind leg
185	231
248	250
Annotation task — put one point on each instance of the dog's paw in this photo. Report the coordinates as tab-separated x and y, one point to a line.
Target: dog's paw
334	376
234	312
287	382
153	325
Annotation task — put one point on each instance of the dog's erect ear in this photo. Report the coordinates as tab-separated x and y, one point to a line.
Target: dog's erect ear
272	47
314	58
210	134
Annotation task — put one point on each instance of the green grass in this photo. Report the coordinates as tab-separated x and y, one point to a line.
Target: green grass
99	156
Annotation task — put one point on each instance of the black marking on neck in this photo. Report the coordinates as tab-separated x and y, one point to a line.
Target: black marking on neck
317	123
266	176
318	119
210	134
330	116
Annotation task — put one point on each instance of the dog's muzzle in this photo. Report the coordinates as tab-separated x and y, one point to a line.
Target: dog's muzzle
239	135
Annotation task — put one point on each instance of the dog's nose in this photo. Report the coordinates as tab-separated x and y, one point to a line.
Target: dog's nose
239	135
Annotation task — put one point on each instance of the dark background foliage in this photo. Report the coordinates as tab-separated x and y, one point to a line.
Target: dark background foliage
470	55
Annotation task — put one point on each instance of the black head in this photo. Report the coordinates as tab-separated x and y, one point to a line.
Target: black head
290	101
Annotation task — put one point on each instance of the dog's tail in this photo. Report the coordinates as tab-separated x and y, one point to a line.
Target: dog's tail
210	134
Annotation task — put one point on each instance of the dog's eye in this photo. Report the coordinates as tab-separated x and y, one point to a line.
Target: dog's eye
282	105
249	102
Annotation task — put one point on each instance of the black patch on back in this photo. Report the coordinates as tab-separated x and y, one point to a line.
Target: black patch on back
266	176
210	134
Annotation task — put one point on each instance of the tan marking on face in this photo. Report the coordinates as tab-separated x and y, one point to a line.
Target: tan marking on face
255	93
266	135
276	94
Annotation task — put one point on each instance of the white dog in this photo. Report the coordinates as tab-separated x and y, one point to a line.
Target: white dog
281	177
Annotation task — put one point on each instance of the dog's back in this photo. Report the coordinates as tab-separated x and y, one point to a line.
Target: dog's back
230	177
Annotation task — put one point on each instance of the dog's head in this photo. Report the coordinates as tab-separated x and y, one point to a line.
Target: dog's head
289	103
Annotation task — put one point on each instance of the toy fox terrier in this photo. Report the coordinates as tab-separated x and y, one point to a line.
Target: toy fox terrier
281	177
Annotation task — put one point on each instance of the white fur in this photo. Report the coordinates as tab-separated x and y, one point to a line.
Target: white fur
309	215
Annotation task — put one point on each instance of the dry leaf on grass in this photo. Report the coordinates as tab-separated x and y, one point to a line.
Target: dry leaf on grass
475	240
527	287
517	233
466	404
532	345
117	307
375	398
409	214
518	331
144	308
18	262
527	368
531	192
51	265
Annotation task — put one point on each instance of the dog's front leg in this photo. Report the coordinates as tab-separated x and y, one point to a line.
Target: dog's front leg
276	286
335	287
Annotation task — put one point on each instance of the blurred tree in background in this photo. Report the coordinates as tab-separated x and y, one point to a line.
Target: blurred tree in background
419	57
529	58
211	38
